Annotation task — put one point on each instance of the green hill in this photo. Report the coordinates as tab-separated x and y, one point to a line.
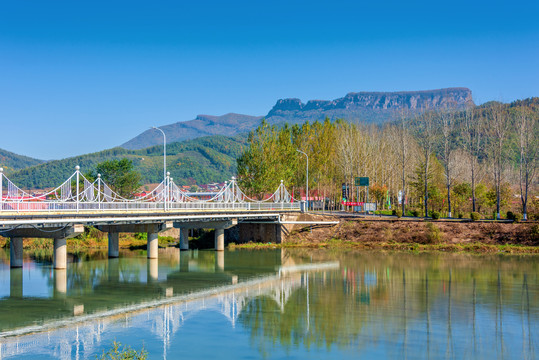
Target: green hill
201	161
11	162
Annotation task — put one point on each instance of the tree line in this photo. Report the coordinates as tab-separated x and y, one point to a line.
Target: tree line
449	161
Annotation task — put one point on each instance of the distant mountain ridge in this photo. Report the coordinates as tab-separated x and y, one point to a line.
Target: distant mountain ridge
367	107
12	162
203	125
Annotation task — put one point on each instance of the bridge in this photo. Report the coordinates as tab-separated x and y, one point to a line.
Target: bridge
62	213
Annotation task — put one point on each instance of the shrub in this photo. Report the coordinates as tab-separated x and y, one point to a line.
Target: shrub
415	213
434	234
534	230
125	352
460	215
475	216
398	213
435	215
516	217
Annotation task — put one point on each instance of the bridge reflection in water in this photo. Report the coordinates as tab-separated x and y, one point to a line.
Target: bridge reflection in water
76	318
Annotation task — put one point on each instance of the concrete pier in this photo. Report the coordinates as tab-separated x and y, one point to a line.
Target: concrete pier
15	252
60	254
219	239
184	239
114	244
153	245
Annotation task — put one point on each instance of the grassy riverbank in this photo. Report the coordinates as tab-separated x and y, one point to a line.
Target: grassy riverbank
412	235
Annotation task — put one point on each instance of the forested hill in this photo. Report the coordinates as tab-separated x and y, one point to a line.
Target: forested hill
11	162
202	160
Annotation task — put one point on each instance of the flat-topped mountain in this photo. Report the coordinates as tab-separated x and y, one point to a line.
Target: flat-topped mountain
367	107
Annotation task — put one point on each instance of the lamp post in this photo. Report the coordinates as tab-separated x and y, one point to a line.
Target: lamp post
307	187
164	163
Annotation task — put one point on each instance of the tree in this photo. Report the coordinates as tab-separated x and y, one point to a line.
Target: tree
447	122
119	175
499	127
425	129
528	139
473	132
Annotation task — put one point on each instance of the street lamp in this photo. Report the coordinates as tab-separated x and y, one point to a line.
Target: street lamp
307	187
164	154
165	188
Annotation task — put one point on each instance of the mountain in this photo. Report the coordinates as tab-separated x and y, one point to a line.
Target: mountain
198	161
11	162
368	107
204	125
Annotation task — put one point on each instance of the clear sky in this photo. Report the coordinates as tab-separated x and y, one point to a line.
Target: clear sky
77	77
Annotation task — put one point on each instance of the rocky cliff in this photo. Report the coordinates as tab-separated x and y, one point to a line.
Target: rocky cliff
369	106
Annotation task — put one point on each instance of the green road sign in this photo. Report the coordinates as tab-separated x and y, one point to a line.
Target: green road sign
361	181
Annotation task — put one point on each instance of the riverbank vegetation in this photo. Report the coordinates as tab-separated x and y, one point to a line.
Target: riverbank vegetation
447	163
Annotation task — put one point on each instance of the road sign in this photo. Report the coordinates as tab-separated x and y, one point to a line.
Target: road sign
361	181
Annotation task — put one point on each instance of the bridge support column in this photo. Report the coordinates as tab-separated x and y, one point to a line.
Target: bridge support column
114	269
153	245
15	283
114	244
184	239
219	239
60	254
15	252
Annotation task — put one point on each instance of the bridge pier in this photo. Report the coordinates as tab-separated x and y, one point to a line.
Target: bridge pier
184	239
114	244
60	253
59	234
219	239
15	252
153	245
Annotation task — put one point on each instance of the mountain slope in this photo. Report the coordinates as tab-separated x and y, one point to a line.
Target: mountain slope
202	160
204	125
11	162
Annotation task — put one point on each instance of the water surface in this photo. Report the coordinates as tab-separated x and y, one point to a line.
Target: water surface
272	304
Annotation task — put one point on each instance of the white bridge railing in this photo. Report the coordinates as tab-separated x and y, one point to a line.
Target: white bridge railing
78	194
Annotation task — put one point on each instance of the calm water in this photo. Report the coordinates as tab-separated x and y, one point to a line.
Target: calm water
273	305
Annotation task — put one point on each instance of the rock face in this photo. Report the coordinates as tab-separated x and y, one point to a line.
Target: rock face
366	107
203	125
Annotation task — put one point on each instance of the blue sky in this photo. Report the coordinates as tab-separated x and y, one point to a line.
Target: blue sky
77	77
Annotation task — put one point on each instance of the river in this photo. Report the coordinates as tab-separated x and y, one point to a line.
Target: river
278	304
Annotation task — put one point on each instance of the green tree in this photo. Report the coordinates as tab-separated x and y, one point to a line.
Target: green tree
119	175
